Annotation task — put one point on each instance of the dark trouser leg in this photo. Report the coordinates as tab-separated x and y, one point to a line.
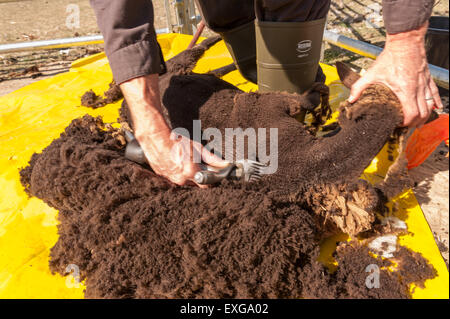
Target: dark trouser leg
224	15
291	10
233	20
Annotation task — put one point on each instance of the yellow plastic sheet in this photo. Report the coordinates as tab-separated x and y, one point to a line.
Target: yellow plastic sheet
30	118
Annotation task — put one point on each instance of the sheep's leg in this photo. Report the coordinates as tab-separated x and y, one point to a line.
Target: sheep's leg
185	62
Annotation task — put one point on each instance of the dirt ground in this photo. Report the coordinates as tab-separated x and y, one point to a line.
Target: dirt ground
31	20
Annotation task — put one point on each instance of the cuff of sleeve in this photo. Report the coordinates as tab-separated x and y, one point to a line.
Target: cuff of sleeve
135	60
405	15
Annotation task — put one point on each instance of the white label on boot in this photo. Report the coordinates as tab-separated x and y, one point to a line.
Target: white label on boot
304	47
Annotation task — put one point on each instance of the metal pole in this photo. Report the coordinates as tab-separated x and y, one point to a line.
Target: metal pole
168	15
57	43
440	75
359	47
194	18
182	13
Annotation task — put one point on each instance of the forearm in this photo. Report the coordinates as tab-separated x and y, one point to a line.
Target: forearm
169	157
405	15
143	98
409	44
403	67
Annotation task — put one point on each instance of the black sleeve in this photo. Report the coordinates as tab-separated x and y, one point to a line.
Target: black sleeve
130	38
406	15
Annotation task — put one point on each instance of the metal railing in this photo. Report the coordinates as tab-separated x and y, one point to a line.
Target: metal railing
440	75
57	43
185	14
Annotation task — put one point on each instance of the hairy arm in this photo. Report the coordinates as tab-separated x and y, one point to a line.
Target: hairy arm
136	60
403	66
169	155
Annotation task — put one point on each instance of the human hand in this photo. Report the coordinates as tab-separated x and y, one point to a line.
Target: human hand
403	67
176	157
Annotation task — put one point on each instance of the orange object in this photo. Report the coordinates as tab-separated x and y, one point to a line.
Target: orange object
425	140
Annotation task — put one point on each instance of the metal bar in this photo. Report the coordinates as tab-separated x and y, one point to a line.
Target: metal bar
5	1
359	47
440	75
186	17
182	13
50	44
57	43
191	16
168	15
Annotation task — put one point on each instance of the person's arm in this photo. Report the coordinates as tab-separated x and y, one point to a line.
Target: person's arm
402	65
168	155
135	59
130	38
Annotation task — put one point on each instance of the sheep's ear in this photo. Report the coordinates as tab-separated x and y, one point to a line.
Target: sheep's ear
348	76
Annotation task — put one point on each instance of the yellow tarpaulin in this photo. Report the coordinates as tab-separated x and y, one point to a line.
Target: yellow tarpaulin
30	118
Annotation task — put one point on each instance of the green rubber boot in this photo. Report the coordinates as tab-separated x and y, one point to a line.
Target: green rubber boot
288	54
240	42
